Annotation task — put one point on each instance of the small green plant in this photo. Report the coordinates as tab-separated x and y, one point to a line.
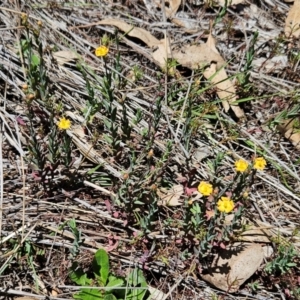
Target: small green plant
105	285
49	144
77	238
205	221
244	78
284	261
222	12
254	286
137	73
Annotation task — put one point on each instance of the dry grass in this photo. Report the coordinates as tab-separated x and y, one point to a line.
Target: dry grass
35	212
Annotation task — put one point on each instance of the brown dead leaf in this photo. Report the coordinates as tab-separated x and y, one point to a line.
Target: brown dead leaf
64	57
172	8
225	88
133	31
161	48
170	197
292	22
233	266
191	56
288	131
162	52
199	56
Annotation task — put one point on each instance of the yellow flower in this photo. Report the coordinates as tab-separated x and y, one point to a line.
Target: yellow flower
259	163
205	188
64	124
241	165
225	204
101	51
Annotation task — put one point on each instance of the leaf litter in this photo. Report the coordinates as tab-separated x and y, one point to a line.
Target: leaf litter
193	55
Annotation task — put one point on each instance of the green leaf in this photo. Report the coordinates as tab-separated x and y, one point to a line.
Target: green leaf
137	202
101	265
291	264
110	297
136	277
93	170
78	276
114	282
35	60
89	294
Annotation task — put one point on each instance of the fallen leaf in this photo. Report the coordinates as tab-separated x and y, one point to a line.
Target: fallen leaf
199	56
170	197
161	48
191	56
171	9
63	57
133	31
292	22
216	77
225	88
234	265
162	53
289	132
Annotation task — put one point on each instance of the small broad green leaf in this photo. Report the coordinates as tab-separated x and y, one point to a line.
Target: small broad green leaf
89	294
106	137
35	60
78	276
110	297
291	264
101	265
115	282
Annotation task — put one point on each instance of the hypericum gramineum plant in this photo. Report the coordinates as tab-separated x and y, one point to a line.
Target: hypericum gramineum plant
46	154
207	219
